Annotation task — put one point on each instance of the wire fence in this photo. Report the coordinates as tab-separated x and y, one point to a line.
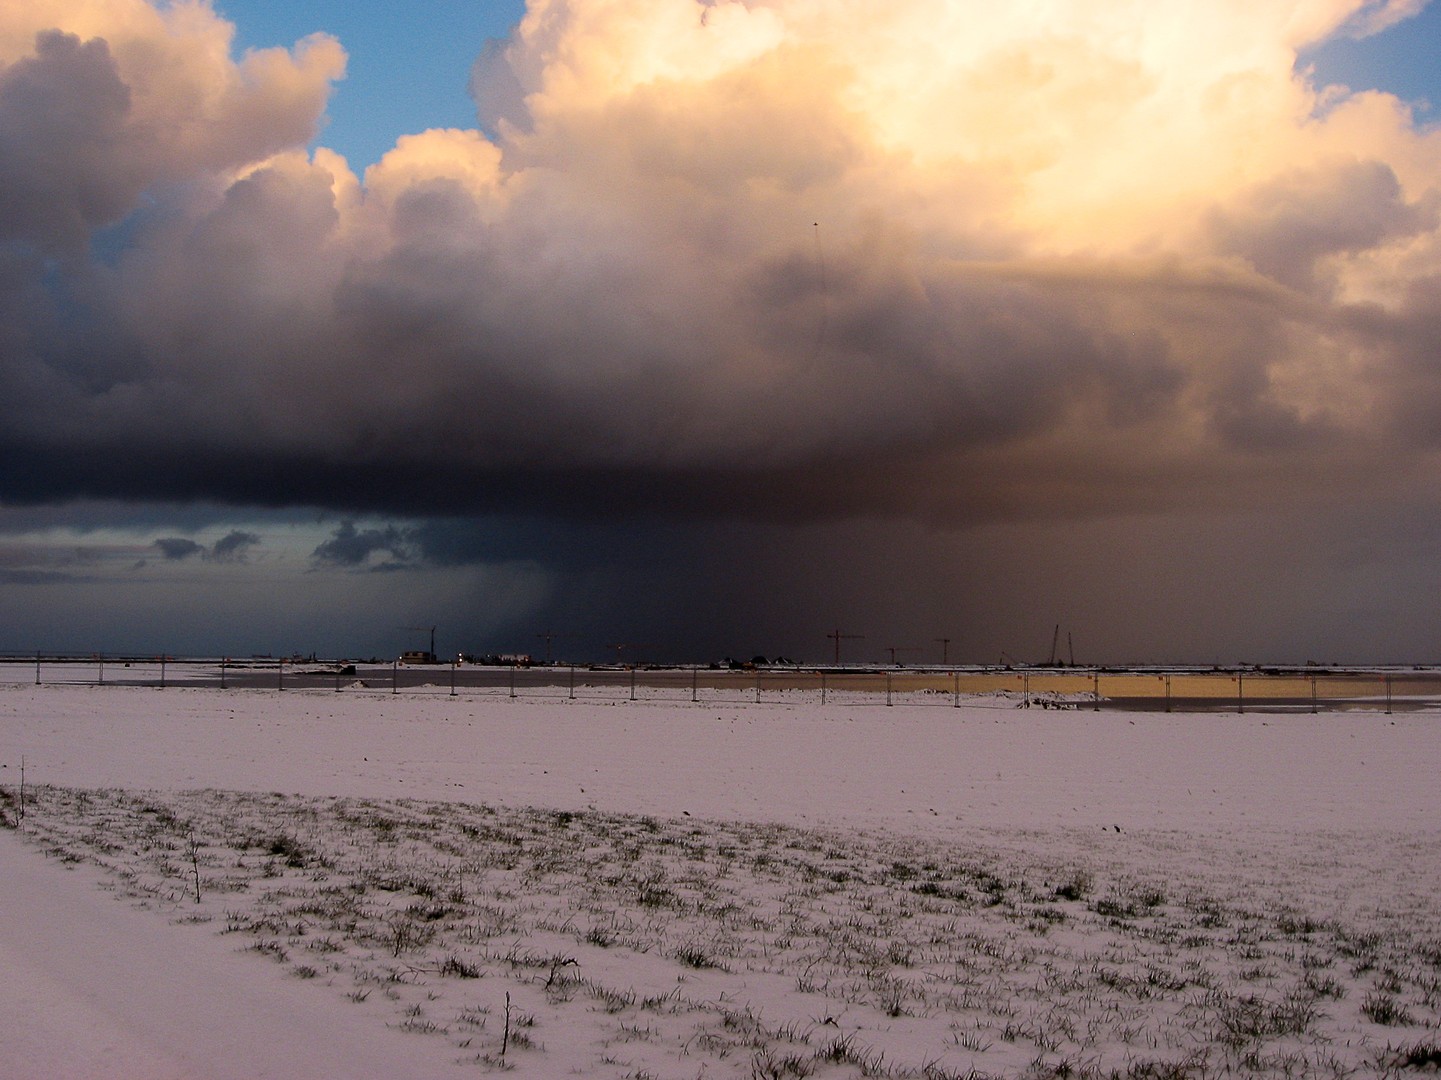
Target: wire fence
1150	690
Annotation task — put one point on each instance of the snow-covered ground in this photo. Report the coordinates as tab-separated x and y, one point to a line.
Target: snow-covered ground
669	889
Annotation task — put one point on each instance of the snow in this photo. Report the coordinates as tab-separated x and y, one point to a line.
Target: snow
798	764
96	989
1330	818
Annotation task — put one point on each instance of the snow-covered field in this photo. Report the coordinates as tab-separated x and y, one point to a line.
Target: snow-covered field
216	884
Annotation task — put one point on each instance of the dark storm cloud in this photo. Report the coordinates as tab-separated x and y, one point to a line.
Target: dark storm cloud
754	274
176	548
234	546
352	547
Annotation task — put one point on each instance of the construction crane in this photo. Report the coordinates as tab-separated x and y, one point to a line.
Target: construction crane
838	637
620	647
1055	646
547	637
893	649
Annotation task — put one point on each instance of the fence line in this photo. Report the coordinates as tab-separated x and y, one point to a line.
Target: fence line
1180	690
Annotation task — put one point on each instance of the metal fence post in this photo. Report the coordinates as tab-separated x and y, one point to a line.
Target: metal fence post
37	667
1277	688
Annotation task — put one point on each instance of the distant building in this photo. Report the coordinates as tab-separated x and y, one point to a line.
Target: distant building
417	656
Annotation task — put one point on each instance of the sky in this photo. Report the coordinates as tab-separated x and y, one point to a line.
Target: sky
685	330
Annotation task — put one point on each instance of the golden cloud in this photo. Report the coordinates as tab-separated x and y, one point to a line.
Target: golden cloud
923	256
